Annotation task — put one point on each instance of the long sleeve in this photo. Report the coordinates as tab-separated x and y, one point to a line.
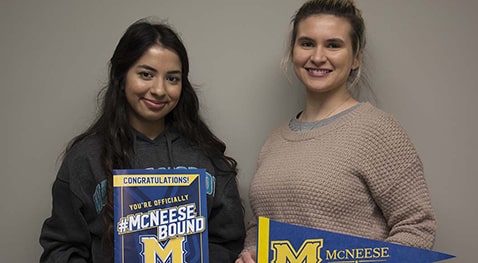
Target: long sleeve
250	242
75	228
395	177
360	175
226	221
65	236
406	205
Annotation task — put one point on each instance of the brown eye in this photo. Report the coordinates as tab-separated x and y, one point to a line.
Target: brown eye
145	75
333	45
173	79
306	44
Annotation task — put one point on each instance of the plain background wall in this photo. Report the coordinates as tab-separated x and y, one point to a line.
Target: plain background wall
422	58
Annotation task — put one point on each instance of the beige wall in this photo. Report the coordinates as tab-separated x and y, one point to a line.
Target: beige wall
422	62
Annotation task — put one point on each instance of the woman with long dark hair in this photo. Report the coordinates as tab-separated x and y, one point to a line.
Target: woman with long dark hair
149	119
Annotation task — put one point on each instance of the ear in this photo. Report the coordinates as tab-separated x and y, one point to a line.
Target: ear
357	60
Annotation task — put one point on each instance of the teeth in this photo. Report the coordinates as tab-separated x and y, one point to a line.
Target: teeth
319	71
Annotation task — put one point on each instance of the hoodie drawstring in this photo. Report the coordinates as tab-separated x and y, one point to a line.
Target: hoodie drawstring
170	150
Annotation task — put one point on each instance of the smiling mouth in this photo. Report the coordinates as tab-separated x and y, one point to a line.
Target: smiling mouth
318	71
154	105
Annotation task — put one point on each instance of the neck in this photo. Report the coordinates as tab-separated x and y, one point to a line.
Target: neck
324	106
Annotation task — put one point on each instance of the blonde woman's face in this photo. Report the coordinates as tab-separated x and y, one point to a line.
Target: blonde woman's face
322	54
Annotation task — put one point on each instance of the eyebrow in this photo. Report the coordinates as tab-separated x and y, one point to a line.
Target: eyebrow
174	72
147	67
154	70
335	40
304	38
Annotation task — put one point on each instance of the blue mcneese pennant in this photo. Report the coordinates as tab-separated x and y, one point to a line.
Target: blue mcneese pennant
280	242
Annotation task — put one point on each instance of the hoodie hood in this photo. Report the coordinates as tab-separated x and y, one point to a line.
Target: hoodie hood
168	150
146	151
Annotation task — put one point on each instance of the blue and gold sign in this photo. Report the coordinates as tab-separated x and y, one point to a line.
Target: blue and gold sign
160	216
280	242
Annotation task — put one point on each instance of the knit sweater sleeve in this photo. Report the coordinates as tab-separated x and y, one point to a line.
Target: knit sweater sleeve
251	237
251	227
394	174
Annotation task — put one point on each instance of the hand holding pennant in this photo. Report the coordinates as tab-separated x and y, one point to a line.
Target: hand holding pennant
280	242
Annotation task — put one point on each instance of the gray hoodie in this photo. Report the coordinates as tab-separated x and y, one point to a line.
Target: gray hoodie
74	231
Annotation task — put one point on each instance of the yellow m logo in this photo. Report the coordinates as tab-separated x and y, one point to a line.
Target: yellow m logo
308	252
173	249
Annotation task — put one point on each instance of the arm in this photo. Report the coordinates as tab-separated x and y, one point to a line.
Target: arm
64	236
226	221
68	235
396	181
246	257
248	254
407	207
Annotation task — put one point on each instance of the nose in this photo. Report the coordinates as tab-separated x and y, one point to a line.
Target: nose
158	87
318	56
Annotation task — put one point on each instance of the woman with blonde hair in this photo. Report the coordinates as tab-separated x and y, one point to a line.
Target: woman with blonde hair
339	165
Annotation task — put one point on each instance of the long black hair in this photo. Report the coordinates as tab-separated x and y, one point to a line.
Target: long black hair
112	124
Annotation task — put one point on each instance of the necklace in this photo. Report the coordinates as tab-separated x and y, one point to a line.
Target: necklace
336	108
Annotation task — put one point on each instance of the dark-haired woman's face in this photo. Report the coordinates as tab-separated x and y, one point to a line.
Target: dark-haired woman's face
152	88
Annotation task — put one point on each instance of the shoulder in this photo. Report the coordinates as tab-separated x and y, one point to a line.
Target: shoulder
277	132
274	139
382	134
89	147
84	157
369	114
374	121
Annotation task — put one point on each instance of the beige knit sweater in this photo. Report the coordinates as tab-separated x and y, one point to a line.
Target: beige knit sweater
359	175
